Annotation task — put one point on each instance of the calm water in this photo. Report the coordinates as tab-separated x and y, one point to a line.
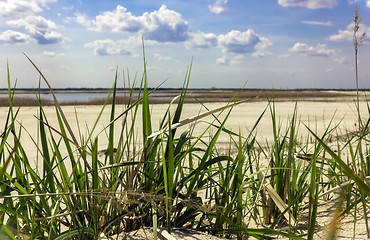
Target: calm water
83	96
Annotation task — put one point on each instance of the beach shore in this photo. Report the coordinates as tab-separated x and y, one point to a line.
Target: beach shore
98	97
316	115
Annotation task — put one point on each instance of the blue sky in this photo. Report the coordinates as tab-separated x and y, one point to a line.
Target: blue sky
267	43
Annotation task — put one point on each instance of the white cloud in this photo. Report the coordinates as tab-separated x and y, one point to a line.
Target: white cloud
318	51
312	4
244	42
22	14
49	37
342	35
21	8
201	40
118	20
52	54
347	34
223	61
368	3
164	25
217	7
82	19
12	37
239	42
111	47
67	8
162	58
261	47
328	23
342	60
32	23
39	28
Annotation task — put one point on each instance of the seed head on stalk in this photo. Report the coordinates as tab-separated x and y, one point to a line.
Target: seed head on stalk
357	42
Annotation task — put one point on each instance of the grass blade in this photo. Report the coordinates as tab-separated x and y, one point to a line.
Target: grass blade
196	117
346	169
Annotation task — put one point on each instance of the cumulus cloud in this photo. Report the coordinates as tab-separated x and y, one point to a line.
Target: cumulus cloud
22	14
39	28
328	23
32	23
223	61
342	35
201	40
162	58
82	19
52	54
111	47
347	34
13	37
118	20
239	42
312	4
319	50
244	42
217	7
14	9
261	47
368	3
21	8
341	60
49	37
164	25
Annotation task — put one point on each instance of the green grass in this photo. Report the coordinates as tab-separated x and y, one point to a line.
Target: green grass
169	177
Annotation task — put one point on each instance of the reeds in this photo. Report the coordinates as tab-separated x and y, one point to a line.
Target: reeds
168	177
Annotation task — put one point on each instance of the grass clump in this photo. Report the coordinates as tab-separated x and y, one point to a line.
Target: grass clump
169	177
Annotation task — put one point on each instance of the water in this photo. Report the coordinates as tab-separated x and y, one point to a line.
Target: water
84	96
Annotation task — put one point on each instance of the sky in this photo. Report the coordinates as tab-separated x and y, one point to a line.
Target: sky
280	44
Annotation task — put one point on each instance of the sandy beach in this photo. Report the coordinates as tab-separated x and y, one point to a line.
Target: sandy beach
317	115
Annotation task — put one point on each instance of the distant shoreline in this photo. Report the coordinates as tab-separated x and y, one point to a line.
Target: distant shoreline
164	96
99	90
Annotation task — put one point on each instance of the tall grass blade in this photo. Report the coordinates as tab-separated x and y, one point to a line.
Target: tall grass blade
346	169
313	200
197	117
55	101
277	199
81	233
6	233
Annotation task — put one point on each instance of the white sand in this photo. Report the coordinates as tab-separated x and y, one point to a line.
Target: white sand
316	115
